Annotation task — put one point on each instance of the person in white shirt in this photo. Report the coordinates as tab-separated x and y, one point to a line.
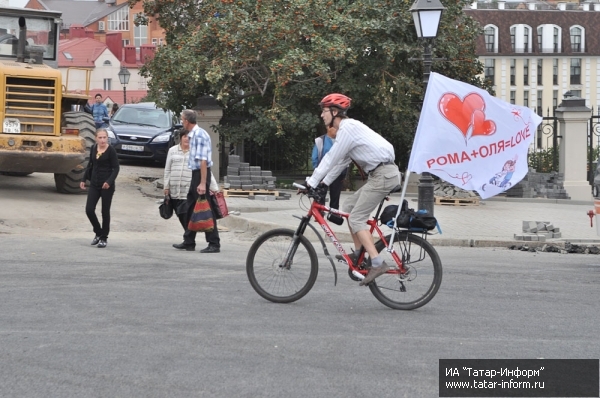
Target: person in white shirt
178	176
371	152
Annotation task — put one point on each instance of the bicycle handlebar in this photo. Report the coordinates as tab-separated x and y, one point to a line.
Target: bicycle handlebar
318	193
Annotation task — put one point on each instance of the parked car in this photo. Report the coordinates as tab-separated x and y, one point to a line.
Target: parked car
142	131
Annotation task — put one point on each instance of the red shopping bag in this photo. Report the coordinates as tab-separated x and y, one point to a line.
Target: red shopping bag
219	205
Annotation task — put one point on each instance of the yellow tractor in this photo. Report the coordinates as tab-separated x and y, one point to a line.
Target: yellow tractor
43	127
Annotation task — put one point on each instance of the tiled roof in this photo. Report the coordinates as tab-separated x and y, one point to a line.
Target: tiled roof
113	96
504	19
83	51
80	12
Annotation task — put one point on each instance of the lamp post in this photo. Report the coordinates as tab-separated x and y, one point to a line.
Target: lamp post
427	15
124	75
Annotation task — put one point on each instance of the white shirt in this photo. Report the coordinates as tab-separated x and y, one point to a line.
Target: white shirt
178	176
354	141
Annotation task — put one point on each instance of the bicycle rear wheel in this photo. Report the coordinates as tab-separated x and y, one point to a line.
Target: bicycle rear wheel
422	281
272	279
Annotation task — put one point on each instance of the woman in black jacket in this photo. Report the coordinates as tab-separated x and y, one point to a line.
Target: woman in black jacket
101	172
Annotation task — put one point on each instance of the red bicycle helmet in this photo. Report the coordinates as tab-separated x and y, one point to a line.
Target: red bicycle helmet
339	101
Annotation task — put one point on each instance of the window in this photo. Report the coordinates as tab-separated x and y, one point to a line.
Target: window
490	39
512	72
107	63
513	34
119	20
576	93
526	34
575	71
576	33
142	84
125	42
490	70
526	72
155	41
539	108
549	38
540	74
512	97
554	99
526	98
140	35
68	56
555	71
107	84
520	38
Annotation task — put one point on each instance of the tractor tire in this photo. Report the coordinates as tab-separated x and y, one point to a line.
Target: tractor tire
69	182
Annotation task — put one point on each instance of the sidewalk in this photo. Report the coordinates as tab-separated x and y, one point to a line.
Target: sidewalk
494	222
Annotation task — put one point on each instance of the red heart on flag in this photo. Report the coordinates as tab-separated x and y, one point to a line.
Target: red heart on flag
461	113
482	126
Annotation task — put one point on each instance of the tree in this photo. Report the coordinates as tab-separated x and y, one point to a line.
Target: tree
269	62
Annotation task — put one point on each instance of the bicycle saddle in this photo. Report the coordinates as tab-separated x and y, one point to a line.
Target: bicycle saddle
397	188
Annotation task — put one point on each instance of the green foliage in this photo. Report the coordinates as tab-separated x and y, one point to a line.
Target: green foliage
269	62
594	155
542	160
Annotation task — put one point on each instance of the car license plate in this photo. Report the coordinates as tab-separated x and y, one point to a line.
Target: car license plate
135	148
12	126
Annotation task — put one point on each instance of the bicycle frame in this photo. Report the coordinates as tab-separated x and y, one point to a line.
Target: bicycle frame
317	210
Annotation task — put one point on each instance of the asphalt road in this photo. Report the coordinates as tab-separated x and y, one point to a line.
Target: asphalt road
140	319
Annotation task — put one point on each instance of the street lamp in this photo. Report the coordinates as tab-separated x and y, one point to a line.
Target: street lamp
427	15
124	79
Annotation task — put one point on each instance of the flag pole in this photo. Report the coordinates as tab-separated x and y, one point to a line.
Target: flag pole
404	186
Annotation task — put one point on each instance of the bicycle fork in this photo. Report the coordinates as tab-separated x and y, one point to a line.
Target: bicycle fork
305	221
291	251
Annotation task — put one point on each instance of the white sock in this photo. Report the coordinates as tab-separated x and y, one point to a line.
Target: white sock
377	261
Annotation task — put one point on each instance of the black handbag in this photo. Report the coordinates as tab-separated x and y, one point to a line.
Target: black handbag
166	208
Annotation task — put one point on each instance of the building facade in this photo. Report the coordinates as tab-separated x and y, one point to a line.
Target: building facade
105	16
534	56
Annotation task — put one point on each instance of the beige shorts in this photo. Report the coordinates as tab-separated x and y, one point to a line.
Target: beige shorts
360	205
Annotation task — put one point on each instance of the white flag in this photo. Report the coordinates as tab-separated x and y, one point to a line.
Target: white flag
471	139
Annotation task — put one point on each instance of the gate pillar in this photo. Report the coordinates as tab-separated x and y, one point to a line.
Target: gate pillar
573	117
209	115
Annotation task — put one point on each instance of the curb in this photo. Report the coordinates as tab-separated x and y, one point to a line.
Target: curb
243	225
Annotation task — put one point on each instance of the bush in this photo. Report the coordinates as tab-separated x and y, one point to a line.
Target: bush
541	160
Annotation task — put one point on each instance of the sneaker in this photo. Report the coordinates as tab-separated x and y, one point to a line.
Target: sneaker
374	272
365	264
95	241
102	244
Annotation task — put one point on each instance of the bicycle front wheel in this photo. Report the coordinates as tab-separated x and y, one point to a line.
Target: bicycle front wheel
275	279
420	284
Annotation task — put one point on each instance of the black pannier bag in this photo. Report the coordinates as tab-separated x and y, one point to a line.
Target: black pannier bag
408	218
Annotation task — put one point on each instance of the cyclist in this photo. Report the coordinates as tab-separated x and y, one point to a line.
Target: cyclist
371	152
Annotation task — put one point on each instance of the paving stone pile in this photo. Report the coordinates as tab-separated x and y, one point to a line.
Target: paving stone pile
444	189
241	175
540	185
538	231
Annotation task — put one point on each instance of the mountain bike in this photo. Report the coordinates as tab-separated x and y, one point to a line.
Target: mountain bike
282	264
